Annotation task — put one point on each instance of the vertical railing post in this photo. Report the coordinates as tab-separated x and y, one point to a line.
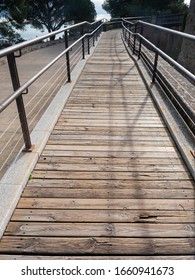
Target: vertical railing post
140	42
129	38
67	56
93	40
156	59
126	34
19	101
83	42
134	44
88	40
155	68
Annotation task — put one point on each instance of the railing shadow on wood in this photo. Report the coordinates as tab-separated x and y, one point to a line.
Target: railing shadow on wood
88	31
138	35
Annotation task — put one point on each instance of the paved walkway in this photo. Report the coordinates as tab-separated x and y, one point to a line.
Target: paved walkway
110	181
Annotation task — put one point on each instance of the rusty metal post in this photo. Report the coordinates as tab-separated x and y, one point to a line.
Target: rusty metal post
134	44
67	56
83	42
19	101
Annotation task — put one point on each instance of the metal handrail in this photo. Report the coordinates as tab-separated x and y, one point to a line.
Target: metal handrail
160	52
170	31
19	90
22	45
186	112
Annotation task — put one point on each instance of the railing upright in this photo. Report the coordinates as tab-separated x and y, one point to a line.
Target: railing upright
140	41
156	59
134	42
19	101
20	90
67	56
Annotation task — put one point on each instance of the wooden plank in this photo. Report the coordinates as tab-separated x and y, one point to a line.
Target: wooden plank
101	175
112	142
98	216
135	230
44	257
107	204
97	246
108	123
130	148
69	136
110	131
111	168
111	184
108	193
120	161
111	154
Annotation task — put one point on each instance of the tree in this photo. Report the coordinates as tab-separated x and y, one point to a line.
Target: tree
83	10
124	8
12	14
53	14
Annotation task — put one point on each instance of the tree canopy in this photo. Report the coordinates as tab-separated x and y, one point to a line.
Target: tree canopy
53	14
12	14
125	8
49	14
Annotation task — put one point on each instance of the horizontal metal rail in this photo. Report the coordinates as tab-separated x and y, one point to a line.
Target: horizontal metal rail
163	54
22	45
19	90
160	28
136	45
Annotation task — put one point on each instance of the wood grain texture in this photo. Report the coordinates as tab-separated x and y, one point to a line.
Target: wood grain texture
110	183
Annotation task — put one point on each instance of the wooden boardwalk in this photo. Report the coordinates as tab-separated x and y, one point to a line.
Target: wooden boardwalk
110	182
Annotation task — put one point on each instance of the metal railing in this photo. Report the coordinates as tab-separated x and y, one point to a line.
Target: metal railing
137	35
88	31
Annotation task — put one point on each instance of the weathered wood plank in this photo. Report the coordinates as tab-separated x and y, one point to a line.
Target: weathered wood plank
111	168
107	204
134	147
135	230
94	142
102	216
106	160
44	257
88	122
107	193
111	154
112	184
101	175
96	246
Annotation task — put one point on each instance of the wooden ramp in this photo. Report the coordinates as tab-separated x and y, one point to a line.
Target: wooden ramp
110	182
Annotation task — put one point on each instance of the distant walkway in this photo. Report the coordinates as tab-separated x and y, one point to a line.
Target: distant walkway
110	182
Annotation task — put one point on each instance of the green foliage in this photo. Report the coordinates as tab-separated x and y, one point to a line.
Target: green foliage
14	11
124	8
30	177
53	14
13	14
49	14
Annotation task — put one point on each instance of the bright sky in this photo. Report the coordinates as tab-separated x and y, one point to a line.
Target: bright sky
102	13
